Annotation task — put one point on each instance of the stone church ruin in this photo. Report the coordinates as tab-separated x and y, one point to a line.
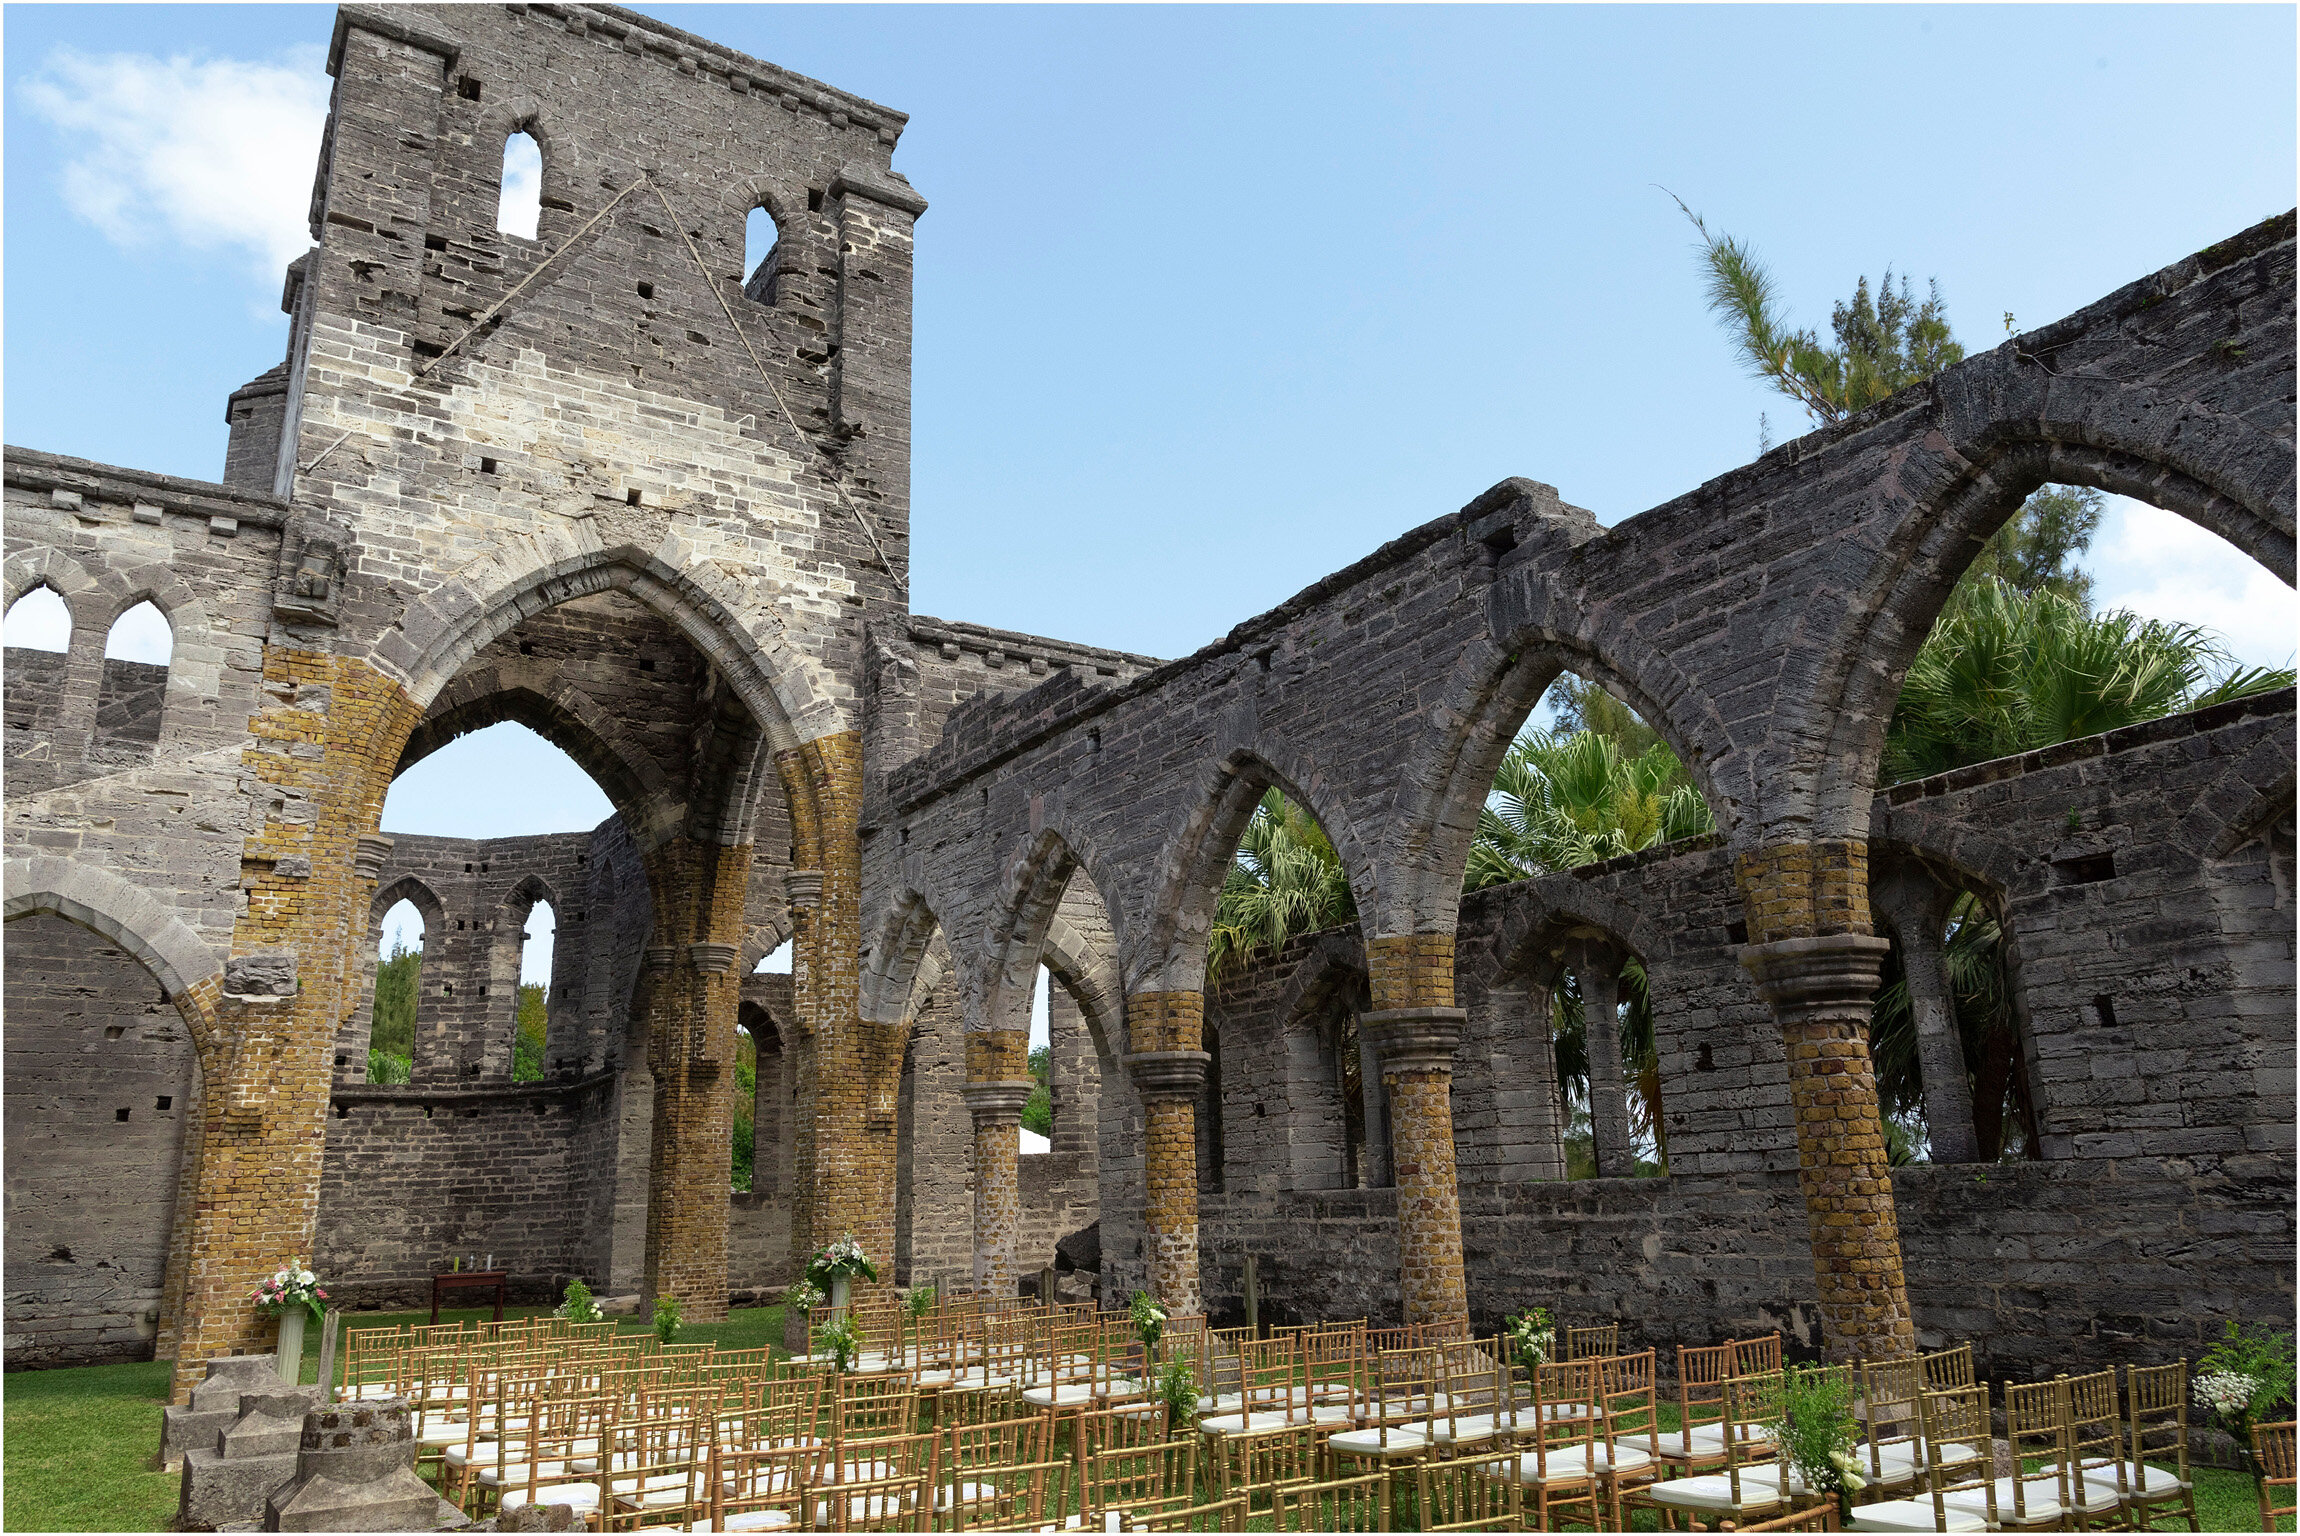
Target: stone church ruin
606	483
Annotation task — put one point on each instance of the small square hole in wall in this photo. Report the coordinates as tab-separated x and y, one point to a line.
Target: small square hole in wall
648	665
527	648
167	1100
430	243
814	199
487	466
114	1031
119	1114
467	88
646	290
631	497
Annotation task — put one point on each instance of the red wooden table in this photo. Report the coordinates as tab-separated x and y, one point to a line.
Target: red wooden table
496	1280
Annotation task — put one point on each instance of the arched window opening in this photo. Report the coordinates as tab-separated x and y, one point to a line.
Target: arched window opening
398	986
1285	880
1586	780
1351	1080
1038	1112
532	1027
1609	1085
743	1161
760	248
38	621
500	781
133	697
519	207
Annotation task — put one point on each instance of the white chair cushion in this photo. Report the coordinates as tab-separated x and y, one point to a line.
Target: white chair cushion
1069	1395
2155	1483
1573	1463
572	1495
1909	1515
1402	1440
1760	1488
1707	1440
746	1520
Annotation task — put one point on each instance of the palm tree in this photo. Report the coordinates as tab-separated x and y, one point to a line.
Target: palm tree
1285	881
2006	671
1560	801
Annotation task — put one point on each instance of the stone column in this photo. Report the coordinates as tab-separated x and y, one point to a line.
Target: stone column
844	1154
1415	1028
1817	964
1597	970
1917	907
1374	1170
692	1000
323	757
998	1084
1165	1031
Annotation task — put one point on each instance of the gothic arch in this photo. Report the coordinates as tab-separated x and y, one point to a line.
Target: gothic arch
103	903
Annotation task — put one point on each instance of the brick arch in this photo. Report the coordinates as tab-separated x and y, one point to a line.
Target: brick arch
2221	473
1534	637
413	890
1334	961
1562	905
1197	856
101	902
1083	958
1032	890
43	566
2217	834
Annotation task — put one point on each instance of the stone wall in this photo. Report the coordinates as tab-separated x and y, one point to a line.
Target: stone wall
101	1081
2068	1262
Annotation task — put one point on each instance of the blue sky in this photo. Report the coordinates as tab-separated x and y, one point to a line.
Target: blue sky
1213	300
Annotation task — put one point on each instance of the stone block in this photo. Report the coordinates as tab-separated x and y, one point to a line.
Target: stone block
355	1471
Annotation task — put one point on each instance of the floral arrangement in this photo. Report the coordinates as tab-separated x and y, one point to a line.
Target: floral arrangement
1149	1320
1812	1422
2244	1377
842	1260
1533	1335
1178	1390
578	1306
802	1296
292	1286
666	1318
840	1340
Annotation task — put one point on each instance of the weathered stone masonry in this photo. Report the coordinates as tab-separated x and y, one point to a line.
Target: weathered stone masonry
609	485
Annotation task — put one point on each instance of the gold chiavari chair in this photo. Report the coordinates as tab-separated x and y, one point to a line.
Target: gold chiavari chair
1756	1481
1151	1476
877	1485
2156	1413
1592	1342
872	1407
663	1466
993	1475
1274	1393
1254	1464
1625	1396
553	1460
1120	1427
1756	1356
1476	1400
1892	1448
1698	1441
2036	1434
2096	1442
2272	1452
1344	1504
1813	1517
1469	1493
763	1490
1555	1465
1957	1493
1397	1411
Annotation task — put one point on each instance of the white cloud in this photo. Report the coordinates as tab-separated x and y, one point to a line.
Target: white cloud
2162	566
211	154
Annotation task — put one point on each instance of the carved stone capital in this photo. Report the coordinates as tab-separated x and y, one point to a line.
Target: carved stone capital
1414	1039
1168	1074
367	858
713	959
1830	976
804	887
996	1103
661	957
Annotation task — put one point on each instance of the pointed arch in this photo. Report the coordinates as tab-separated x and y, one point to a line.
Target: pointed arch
412	890
1197	858
101	902
893	966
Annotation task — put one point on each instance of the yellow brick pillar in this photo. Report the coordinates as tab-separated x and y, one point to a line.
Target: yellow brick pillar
1165	1032
1817	963
1414	1029
692	995
997	1087
845	1135
326	744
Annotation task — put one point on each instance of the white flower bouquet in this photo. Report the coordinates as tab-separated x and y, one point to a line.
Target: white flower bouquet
292	1286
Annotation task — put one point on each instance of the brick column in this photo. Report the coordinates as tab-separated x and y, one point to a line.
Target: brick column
998	1084
1597	970
325	747
692	997
1165	1031
1917	907
1414	1028
844	1141
1817	964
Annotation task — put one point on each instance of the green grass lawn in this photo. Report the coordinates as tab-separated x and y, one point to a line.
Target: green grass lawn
79	1442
